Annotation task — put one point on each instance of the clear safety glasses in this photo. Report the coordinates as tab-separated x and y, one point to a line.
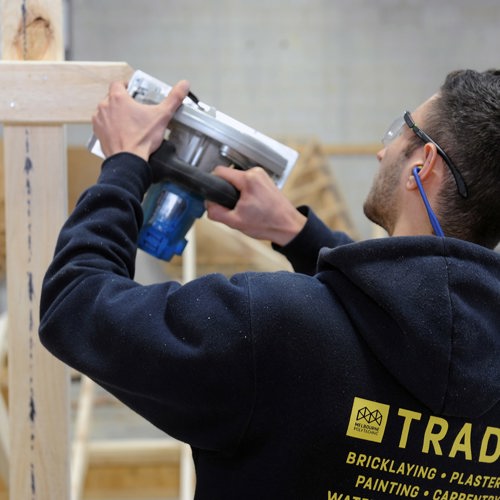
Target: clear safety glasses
396	129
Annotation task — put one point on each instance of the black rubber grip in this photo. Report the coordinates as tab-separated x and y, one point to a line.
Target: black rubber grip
166	165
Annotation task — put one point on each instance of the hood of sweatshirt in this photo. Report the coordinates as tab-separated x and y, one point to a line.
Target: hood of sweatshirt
429	309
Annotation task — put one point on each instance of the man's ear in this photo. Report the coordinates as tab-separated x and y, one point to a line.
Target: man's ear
424	169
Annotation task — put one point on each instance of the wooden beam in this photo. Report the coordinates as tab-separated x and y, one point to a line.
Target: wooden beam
35	157
4	418
66	92
350	149
79	459
38	383
32	30
133	451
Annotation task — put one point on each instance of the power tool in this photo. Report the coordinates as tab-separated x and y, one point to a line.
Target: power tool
198	138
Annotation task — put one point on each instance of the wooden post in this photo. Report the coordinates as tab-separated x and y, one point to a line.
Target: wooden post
38	384
35	156
80	455
36	100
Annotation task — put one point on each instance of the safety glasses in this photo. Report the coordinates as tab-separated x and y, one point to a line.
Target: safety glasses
396	129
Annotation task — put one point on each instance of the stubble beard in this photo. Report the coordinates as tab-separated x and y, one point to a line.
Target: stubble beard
380	205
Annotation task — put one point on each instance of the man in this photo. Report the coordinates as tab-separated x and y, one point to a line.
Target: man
371	372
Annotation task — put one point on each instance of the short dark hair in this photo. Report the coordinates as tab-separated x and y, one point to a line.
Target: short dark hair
464	120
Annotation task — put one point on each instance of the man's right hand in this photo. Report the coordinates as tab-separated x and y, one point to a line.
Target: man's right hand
262	212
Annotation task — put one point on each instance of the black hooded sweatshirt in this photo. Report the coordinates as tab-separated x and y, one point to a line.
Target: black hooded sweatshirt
373	371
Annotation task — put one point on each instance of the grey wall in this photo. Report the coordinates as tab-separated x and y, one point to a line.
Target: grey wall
338	70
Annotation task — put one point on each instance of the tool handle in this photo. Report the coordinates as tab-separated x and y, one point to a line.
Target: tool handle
166	165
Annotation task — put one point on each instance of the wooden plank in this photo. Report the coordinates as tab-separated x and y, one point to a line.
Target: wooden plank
38	383
350	149
132	452
32	30
2	215
36	161
135	468
66	92
79	460
111	482
4	416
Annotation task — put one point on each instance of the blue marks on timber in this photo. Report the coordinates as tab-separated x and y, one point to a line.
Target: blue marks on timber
33	481
24	12
32	409
31	290
28	165
28	169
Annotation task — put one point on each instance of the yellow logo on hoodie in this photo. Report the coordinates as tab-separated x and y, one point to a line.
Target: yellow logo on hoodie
368	420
